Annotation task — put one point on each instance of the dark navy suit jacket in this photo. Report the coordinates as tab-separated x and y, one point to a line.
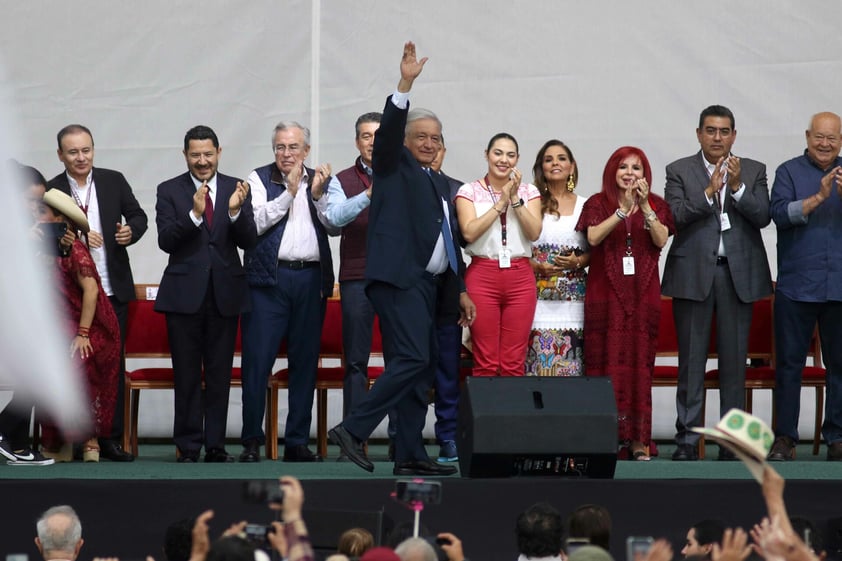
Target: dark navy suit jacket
406	211
197	254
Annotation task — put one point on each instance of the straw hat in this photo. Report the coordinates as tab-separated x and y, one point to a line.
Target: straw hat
64	204
746	436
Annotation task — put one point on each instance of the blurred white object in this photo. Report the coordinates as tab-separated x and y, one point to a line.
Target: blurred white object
34	354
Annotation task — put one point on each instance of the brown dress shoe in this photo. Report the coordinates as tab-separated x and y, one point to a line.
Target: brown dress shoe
783	450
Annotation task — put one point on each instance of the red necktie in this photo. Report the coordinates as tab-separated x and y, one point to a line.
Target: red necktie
208	208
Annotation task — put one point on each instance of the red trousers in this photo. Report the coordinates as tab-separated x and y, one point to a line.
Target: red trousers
505	301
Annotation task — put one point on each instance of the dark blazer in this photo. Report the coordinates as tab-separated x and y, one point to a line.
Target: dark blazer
405	215
116	203
197	254
691	261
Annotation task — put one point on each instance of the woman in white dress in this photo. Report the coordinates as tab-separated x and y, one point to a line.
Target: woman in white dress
559	257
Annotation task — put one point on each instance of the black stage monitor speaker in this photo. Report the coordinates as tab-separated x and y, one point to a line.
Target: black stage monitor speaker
537	426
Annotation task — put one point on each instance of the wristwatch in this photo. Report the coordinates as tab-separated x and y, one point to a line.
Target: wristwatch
518	203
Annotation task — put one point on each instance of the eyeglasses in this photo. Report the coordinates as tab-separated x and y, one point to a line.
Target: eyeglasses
822	137
291	149
712	131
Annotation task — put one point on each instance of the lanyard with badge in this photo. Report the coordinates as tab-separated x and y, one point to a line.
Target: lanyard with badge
505	256
87	204
628	258
724	220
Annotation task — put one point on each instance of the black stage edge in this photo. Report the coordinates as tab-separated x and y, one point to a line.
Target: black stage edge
127	519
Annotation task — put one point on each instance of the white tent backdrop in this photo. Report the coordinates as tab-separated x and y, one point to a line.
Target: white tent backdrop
597	75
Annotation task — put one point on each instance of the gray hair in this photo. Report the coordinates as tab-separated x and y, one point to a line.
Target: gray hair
59	537
284	125
418	114
416	549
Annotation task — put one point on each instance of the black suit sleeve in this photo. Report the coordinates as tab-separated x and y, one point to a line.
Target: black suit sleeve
131	210
174	224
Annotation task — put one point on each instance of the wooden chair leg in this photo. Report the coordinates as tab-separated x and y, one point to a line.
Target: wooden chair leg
749	400
817	431
321	422
272	422
135	401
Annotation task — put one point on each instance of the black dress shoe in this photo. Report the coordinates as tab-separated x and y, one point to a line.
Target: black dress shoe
111	450
783	450
726	455
251	452
350	446
834	452
218	456
422	467
686	453
189	457
300	453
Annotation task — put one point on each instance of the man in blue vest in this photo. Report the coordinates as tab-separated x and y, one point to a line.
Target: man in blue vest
290	274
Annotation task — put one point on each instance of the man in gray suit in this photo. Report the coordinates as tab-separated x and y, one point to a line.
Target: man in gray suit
717	264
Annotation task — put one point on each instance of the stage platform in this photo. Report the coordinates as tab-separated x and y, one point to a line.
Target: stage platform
125	508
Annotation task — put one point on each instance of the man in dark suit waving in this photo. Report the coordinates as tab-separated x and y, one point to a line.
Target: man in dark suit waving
717	263
117	221
203	217
411	251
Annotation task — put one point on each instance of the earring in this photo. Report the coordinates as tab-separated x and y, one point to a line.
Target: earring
571	185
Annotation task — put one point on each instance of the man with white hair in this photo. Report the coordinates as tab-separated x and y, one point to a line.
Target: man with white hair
59	534
416	549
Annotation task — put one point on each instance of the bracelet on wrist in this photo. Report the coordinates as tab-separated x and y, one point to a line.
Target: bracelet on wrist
519	203
621	215
497	210
83	336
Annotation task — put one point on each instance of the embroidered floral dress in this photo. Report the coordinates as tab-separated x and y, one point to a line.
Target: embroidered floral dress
623	312
556	344
102	368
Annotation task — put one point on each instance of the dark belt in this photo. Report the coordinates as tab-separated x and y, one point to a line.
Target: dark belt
297	265
721	260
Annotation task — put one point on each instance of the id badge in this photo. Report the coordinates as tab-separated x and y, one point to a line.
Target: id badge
628	265
724	222
505	258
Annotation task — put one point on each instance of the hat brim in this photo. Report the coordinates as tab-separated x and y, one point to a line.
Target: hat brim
755	462
62	203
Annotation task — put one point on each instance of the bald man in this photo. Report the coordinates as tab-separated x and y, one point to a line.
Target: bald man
806	206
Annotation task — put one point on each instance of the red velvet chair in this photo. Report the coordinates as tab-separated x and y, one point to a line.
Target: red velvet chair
666	375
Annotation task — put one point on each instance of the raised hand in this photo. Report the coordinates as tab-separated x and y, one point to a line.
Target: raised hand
826	185
511	186
734	546
733	166
238	197
294	179
319	182
199	200
626	199
411	67
716	179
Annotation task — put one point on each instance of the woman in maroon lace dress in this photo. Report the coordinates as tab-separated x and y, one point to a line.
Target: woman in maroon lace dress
90	322
626	226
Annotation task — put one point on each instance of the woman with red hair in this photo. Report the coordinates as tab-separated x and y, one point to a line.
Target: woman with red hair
626	226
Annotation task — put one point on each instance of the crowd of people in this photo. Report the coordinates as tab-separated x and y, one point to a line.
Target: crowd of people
556	284
540	533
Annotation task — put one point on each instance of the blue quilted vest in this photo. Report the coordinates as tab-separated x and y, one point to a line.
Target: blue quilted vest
261	262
